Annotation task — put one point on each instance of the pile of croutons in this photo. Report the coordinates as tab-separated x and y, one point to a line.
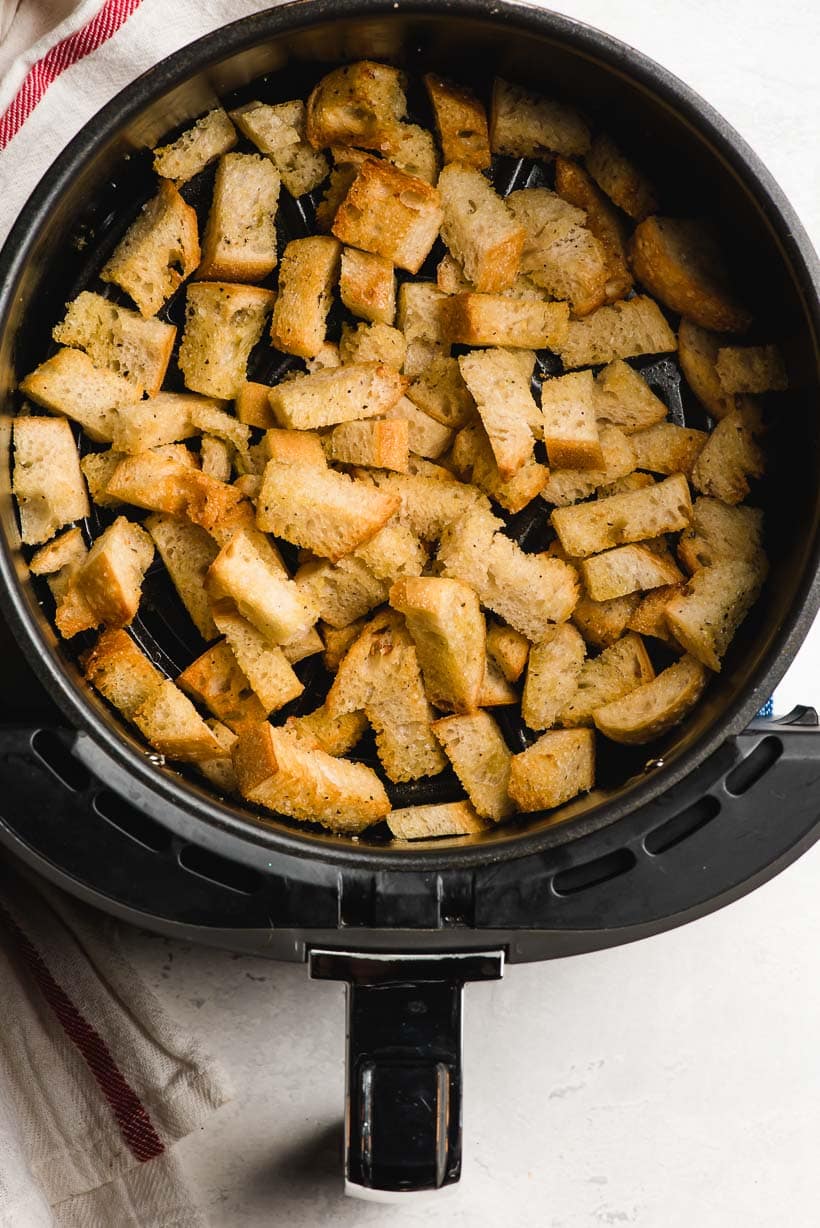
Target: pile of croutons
386	459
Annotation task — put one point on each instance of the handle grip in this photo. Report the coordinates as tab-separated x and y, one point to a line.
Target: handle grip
403	1100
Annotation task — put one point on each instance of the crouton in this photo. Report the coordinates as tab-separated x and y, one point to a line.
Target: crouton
310	269
626	484
383	445
335	734
461	123
281	770
620	179
390	214
48	482
526	125
338	185
680	262
445	621
120	671
569	404
252	407
667	448
337	640
187	552
475	462
622	330
656	707
118	340
421	307
698	351
428	822
343	592
279	132
171	724
751	368
556	768
69	383
110	579
649	617
223	322
552	675
215	458
165	484
264	665
215	680
162	419
413	150
367	285
560	253
342	394
730	456
493	319
425	435
479	229
319	509
274	605
372	343
242	519
441	392
209	138
240	237
63	551
307	645
481	760
509	649
626	569
359	104
219	772
295	447
626	400
393	552
601	623
566	486
211	420
575	186
589	528
618	670
158	251
706	614
427	505
495	691
719	533
505	404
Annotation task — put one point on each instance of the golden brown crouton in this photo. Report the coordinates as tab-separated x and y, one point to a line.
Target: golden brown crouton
506	406
569	404
209	138
342	394
251	405
382	445
556	768
443	819
165	484
278	131
493	319
425	435
372	343
552	675
358	104
367	285
158	251
187	552
620	179
667	448
118	340
560	253
574	185
698	351
413	150
474	461
441	392
264	665
295	447
626	569
618	670
110	579
274	605
215	680
335	734
170	722
706	614
649	617
159	420
729	458
479	229
69	383
509	649
223	322
461	123
601	623
719	532
656	707
48	482
751	368
626	400
481	760
445	620
120	671
63	551
429	504
389	213
588	528
342	593
310	268
526	125
567	486
240	237
622	330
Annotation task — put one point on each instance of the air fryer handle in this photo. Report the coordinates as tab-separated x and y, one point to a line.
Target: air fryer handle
403	1105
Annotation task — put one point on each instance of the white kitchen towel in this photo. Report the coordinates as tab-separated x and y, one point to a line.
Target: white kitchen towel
96	1081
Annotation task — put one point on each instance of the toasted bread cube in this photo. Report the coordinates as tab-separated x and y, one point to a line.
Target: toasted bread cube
568	486
223	322
308	645
649	617
264	665
69	383
601	623
242	519
429	504
575	186
626	484
679	261
211	136
730	456
323	511
552	675
441	392
215	458
421	312
372	343
445	620
335	734
358	104
310	268
165	418
171	724
380	444
343	592
461	123
121	672
698	353
705	616
620	179
251	405
506	406
479	229
219	772
751	368
425	435
493	319
656	707
67	550
279	132
525	125
211	420
622	330
413	150
337	640
274	605
589	528
475	462
509	649
668	448
390	214
442	819
187	552
240	237
158	251
343	394
295	447
719	532
569	404
626	569
216	681
560	253
118	340
367	285
341	178
626	400
48	482
481	760
618	670
283	771
166	484
495	690
556	768
110	579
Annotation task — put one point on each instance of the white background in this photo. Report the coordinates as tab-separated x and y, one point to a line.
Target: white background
670	1084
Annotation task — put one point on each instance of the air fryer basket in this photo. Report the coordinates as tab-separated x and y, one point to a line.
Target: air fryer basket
405	898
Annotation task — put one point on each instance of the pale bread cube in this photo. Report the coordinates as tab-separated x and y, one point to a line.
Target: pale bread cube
118	340
295	447
342	593
475	747
601	623
568	405
264	665
496	320
367	285
479	229
706	614
121	672
556	768
698	353
668	448
509	649
210	137
110	579
618	670
588	528
441	391
575	186
506	406
69	383
158	251
425	435
372	343
187	552
567	486
47	481
526	125
215	681
730	456
223	322
751	368
656	707
626	569
559	252
622	181
275	605
552	675
626	400
335	734
159	420
278	131
621	330
240	236
720	532
342	394
428	822
445	621
309	270
379	444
